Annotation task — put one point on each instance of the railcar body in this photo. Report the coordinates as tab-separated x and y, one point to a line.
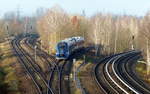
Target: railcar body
66	47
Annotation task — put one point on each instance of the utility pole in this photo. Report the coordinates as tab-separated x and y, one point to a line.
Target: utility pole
59	35
26	25
84	57
83	13
148	57
49	44
35	51
74	60
7	29
41	44
18	12
96	38
84	45
31	28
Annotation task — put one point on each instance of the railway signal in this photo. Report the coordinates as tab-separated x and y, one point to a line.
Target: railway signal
7	28
132	46
31	27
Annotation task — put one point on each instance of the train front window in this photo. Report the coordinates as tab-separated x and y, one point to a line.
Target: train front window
62	47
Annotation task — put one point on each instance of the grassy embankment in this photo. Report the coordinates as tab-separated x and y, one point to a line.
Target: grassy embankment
86	73
8	79
141	69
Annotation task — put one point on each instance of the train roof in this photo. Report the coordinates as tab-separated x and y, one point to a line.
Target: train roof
73	40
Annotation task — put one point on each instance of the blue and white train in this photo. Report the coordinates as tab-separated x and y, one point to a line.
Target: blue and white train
66	47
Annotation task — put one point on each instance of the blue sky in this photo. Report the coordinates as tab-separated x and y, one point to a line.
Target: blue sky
130	7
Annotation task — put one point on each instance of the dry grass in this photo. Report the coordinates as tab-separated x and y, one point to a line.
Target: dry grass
73	88
16	78
86	77
141	69
7	64
78	91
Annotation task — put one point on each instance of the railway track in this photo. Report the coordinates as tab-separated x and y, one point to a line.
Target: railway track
28	63
56	67
59	67
102	82
117	83
111	78
41	74
23	61
51	62
115	76
129	77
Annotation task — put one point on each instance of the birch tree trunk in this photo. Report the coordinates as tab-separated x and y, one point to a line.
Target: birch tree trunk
148	58
96	40
116	38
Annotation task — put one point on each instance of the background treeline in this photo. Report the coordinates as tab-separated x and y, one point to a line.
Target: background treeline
12	24
106	32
